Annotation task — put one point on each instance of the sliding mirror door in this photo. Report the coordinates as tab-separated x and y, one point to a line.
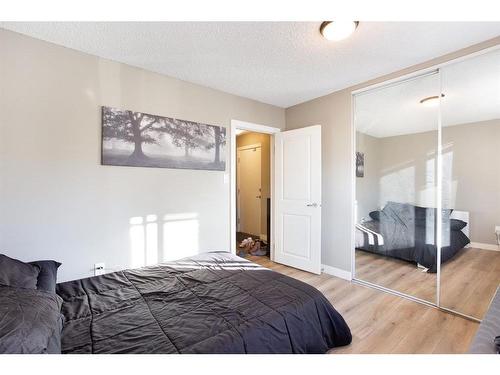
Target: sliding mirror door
471	183
396	186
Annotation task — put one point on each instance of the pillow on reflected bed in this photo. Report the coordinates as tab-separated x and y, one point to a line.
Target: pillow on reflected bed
456	224
375	215
31	321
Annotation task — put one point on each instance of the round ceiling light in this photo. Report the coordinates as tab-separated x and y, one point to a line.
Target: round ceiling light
337	30
431	101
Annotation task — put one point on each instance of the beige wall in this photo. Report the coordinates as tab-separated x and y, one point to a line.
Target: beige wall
56	200
247	139
473	150
333	113
470	154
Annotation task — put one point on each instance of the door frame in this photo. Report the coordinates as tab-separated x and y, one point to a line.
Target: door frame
258	128
238	149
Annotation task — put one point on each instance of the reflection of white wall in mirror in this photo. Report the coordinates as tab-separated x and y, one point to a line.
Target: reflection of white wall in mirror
449	185
427	195
398	186
470	174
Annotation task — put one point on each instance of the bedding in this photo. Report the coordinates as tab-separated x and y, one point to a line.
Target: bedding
47	278
456	224
407	232
375	215
210	303
15	273
31	321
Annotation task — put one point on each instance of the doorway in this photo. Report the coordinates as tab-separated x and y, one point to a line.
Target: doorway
252	193
294	206
252	171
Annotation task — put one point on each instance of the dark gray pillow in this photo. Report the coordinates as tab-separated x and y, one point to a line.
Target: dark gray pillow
375	215
47	278
456	224
31	321
18	274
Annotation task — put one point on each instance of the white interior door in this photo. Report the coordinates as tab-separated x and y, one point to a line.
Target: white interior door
249	190
298	198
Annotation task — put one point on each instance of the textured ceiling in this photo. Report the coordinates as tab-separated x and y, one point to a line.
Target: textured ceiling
280	63
472	94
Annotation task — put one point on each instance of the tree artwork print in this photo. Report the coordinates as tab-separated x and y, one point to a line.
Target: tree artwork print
143	140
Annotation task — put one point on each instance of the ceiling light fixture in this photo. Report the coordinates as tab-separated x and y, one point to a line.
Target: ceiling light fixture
337	30
431	101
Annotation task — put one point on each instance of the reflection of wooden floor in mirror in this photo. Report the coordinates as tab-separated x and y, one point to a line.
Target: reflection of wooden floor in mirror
468	281
383	323
395	274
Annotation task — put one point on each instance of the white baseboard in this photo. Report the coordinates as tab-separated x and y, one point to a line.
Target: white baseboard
337	272
484	246
263	237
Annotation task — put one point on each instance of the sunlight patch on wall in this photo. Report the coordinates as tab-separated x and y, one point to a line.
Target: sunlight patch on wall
176	236
180	236
427	195
398	186
151	240
137	242
428	198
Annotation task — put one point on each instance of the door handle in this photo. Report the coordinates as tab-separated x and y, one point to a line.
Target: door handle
312	205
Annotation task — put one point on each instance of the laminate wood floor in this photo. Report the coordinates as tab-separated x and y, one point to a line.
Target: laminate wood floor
384	323
468	280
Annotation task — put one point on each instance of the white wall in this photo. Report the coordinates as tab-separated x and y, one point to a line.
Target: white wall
58	202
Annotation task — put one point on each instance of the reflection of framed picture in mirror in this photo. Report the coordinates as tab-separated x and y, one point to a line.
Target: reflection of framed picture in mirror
360	164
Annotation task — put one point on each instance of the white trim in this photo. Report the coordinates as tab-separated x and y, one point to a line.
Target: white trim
439	189
337	272
237	124
354	208
484	246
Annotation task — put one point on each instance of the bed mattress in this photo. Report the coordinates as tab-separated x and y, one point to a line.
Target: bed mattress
210	303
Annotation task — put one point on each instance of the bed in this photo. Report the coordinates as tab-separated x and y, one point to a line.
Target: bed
210	303
407	232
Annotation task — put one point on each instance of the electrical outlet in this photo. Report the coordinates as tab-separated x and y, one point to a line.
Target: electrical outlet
99	269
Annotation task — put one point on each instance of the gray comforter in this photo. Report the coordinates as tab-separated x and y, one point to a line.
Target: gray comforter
211	303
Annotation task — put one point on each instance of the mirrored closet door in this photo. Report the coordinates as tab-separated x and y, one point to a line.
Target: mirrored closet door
428	185
470	112
396	145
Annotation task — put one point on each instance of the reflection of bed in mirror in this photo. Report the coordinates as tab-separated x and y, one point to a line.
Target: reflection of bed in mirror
407	232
